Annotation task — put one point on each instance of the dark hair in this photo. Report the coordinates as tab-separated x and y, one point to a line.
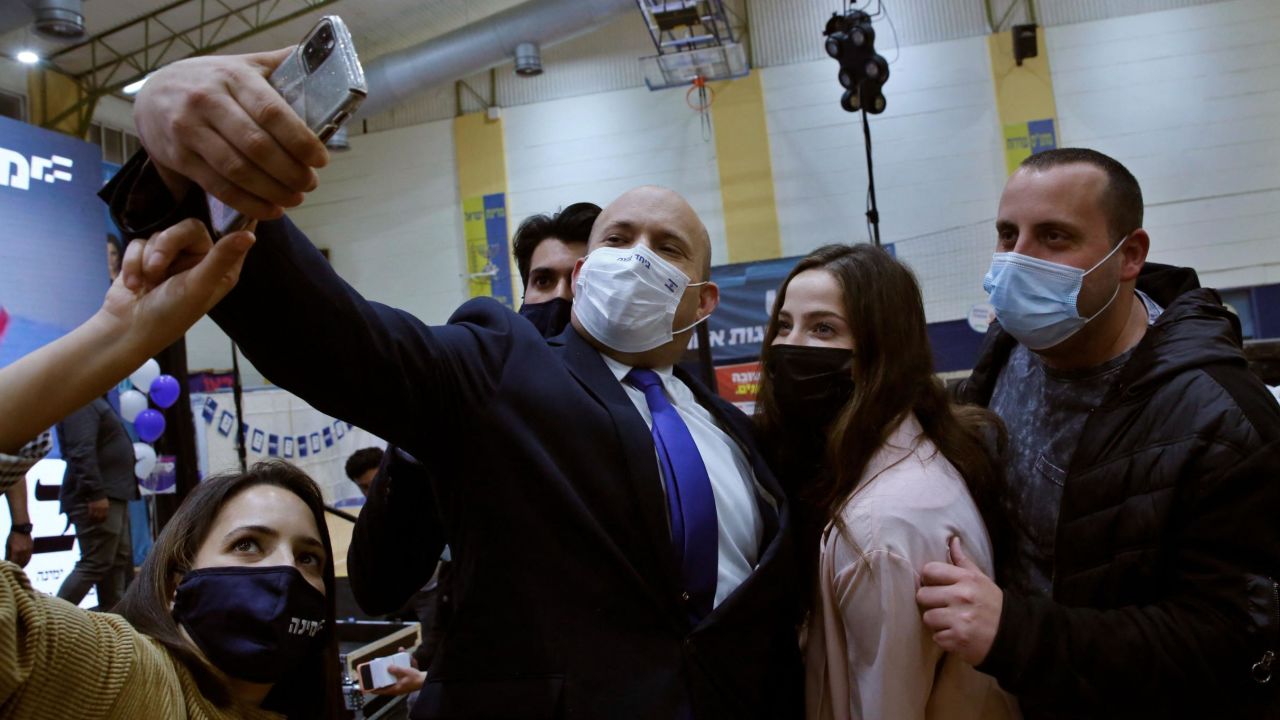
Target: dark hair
362	461
1122	198
892	375
570	225
311	691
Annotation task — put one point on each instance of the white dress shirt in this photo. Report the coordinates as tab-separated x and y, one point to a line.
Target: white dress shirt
733	482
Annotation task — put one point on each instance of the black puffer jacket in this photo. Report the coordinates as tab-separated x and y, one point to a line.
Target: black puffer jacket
1164	595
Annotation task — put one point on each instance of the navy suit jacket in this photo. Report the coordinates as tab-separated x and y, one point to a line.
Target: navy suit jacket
566	591
567	594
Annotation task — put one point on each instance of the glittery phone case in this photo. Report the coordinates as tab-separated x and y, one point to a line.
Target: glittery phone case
324	98
327	95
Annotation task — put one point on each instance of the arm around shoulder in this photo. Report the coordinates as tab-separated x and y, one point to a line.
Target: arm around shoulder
1219	615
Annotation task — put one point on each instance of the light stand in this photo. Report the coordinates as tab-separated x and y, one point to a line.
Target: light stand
863	73
873	213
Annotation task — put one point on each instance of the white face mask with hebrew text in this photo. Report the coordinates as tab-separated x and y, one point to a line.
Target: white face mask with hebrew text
626	298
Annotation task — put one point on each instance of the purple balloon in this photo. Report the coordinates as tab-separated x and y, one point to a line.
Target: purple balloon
164	391
149	424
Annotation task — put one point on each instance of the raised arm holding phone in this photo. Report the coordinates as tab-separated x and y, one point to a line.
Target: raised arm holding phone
579	585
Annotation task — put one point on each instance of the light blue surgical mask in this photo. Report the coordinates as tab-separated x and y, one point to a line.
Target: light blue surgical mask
1035	300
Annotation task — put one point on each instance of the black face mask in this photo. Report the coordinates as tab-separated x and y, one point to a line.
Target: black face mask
252	623
550	317
810	384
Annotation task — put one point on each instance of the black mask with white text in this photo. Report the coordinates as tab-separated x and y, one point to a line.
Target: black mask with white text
252	623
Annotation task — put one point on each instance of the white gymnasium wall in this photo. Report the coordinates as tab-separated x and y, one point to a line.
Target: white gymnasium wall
939	165
1125	85
389	214
388	211
595	147
1189	100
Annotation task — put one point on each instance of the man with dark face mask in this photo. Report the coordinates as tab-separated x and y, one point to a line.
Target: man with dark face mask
621	549
546	248
1141	472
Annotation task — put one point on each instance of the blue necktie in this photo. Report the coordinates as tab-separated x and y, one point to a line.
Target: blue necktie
695	533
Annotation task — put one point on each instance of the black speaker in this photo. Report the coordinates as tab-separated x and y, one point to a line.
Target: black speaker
1024	42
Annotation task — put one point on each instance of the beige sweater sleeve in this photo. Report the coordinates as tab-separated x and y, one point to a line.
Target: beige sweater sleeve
57	660
891	656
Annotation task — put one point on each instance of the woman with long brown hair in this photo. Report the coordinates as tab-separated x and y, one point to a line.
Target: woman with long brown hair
886	471
231	618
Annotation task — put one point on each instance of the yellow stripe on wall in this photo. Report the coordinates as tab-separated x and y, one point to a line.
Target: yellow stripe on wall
482	170
1024	98
746	173
49	94
482	161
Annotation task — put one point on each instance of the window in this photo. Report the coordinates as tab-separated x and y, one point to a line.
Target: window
117	145
13	106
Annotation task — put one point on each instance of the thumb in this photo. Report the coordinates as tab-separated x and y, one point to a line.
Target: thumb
958	556
219	270
398	672
269	60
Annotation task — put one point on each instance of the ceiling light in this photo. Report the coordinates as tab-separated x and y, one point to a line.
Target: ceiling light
133	87
27	57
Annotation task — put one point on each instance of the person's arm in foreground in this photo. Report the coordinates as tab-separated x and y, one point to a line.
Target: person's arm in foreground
136	321
18	547
306	329
1206	631
398	537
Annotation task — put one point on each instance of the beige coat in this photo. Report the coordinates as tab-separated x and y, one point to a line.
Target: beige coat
869	655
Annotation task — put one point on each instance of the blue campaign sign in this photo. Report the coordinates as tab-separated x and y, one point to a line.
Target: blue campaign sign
53	269
747	291
495	230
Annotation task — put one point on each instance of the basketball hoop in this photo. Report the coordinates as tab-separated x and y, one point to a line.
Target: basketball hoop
699	98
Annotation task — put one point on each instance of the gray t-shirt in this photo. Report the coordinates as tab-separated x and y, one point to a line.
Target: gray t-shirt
1045	412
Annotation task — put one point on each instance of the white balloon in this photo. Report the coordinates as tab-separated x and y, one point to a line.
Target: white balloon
145	460
132	402
142	377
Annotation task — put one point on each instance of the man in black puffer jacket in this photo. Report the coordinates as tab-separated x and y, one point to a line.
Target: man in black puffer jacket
1143	472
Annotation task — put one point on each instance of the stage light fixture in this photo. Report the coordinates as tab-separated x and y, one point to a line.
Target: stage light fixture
28	57
851	41
849	101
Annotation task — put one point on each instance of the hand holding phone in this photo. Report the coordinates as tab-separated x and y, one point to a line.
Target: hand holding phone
373	674
323	82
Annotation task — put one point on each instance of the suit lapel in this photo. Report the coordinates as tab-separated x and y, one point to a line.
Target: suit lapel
642	484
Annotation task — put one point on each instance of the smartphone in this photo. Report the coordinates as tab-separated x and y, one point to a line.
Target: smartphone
324	84
374	675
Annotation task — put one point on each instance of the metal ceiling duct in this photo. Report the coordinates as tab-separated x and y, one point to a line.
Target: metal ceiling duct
59	19
528	60
488	42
